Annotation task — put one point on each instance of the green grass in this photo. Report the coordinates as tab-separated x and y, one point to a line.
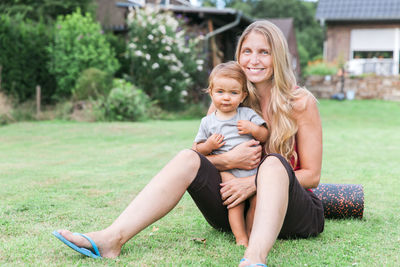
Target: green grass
80	176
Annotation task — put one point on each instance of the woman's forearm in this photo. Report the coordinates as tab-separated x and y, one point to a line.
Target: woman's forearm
308	178
220	161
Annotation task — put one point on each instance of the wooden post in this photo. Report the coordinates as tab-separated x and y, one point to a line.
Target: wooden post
213	44
38	99
1	68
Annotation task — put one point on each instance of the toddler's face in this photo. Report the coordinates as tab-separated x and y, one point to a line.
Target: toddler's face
227	94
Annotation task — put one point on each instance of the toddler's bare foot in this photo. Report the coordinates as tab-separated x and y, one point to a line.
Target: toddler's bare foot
109	246
242	242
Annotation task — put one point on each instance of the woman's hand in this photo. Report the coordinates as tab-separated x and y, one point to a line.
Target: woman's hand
245	156
235	191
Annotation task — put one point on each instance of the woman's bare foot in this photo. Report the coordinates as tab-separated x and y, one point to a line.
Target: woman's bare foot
109	245
247	262
251	258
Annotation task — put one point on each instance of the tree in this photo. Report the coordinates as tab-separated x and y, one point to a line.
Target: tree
44	9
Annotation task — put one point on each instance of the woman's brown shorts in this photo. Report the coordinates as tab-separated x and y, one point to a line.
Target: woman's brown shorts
304	216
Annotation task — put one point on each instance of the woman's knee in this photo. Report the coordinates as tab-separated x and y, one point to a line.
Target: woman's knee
189	159
272	167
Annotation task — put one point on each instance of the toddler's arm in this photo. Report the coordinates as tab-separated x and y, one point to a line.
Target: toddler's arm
213	142
259	132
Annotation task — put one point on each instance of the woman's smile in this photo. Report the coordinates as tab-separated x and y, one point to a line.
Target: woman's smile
256	59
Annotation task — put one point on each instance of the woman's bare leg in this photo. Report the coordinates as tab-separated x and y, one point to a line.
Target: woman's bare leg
272	201
159	196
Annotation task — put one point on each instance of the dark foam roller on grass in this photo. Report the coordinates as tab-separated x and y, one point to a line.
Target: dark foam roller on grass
341	200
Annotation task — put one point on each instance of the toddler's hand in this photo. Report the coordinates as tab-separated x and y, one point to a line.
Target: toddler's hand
215	141
245	127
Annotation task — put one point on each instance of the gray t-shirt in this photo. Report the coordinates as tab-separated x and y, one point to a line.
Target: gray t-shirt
228	128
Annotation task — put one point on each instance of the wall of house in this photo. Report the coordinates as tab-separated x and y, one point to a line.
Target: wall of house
109	15
338	38
369	87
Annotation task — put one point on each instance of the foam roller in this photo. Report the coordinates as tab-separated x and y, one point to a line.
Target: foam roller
341	200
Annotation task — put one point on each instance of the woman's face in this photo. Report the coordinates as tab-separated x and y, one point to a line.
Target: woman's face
256	59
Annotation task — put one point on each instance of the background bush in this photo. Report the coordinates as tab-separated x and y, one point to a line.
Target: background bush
93	83
79	44
163	57
126	102
23	57
320	68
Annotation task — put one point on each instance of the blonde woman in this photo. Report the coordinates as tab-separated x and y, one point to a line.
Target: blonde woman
284	206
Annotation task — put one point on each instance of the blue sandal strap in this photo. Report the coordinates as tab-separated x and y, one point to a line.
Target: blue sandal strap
254	264
96	250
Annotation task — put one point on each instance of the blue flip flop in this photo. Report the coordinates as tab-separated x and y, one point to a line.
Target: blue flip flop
84	251
254	264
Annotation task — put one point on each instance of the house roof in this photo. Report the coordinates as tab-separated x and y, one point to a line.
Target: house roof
358	10
284	24
229	14
220	16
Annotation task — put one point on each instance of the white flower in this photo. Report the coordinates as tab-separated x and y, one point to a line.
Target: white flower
145	47
148	57
199	62
159	55
168	88
199	67
150	37
131	15
174	68
168	48
162	29
184	93
138	53
155	66
132	45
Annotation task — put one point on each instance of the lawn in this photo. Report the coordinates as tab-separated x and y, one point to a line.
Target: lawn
80	176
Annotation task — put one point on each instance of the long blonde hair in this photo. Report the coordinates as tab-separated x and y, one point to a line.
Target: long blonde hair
283	127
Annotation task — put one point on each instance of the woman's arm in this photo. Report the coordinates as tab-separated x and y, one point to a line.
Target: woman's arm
235	191
245	156
309	141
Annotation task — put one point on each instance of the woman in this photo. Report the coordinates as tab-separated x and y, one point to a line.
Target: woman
283	205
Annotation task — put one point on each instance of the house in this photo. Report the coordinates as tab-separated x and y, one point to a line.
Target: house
221	27
363	33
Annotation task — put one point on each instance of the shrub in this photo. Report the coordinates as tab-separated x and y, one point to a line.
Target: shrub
119	45
320	68
79	44
126	102
93	83
162	56
23	58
